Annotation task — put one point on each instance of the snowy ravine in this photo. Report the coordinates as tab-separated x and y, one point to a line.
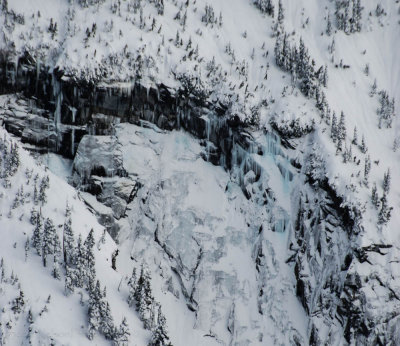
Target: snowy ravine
242	156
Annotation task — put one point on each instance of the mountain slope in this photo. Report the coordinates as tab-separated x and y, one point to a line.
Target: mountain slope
292	237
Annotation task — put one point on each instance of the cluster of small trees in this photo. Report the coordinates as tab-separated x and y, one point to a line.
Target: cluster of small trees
265	6
381	204
141	297
386	109
53	29
209	16
100	318
87	3
16	305
297	61
348	15
9	160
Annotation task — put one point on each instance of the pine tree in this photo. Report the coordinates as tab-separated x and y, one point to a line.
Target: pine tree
160	6
146	301
357	14
14	159
334	129
27	242
94	316
68	239
69	284
374	197
138	287
80	257
56	269
281	15
35	195
122	334
37	238
265	6
363	146
355	136
49	240
373	89
367	169
160	335
342	127
385	211
44	185
106	321
339	146
89	255
328	26
30	317
18	303
94	306
386	181
132	288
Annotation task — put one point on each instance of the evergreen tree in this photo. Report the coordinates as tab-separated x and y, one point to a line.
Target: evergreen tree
281	15
342	127
44	185
334	128
37	238
34	216
355	136
367	169
94	310
56	268
385	211
265	6
386	110
373	89
106	322
18	303
328	26
132	288
160	6
145	301
70	280
374	197
49	240
80	257
363	146
27	242
68	239
357	15
30	317
94	318
122	334
386	181
35	195
160	336
339	146
14	159
89	255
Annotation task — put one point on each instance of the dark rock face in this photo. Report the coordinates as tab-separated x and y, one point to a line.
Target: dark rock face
70	102
74	109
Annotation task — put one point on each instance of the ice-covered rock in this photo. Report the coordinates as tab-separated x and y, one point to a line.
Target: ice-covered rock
98	155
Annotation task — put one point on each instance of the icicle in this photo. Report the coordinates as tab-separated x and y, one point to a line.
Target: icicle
37	75
73	142
73	112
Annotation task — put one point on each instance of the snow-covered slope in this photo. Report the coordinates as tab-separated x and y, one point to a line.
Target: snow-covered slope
294	212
